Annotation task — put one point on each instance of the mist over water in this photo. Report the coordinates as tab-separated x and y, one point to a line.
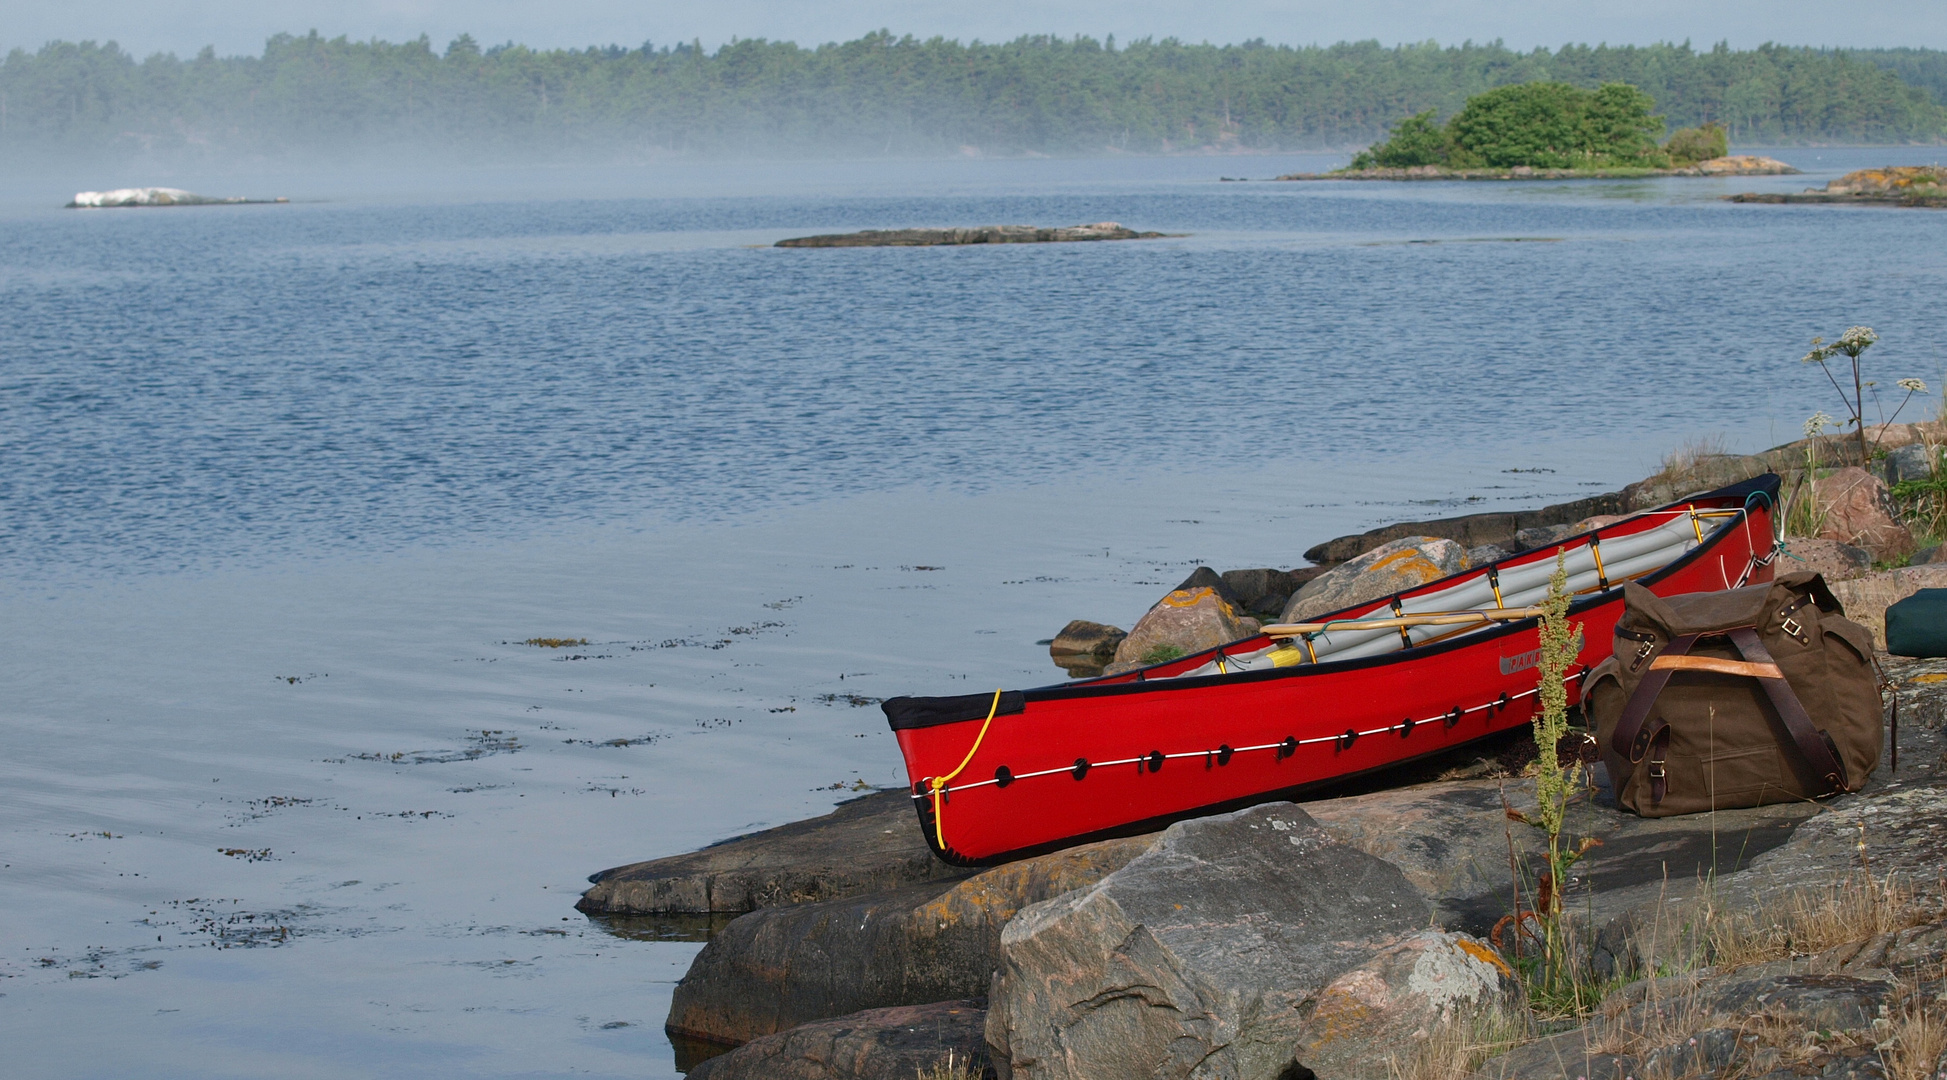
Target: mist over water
287	487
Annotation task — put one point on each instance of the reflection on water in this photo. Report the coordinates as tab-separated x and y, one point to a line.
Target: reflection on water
692	1051
675	926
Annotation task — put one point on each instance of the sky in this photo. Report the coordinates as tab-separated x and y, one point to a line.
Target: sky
240	26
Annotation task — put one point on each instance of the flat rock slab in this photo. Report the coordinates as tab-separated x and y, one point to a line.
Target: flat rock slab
779	967
1452	841
985	234
866	845
877	1044
1749	1022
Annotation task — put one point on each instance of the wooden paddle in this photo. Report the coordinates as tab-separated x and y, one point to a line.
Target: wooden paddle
1429	618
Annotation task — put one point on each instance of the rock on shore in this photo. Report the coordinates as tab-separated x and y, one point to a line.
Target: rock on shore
779	967
1406	563
1143	974
866	845
1199	614
984	234
877	1044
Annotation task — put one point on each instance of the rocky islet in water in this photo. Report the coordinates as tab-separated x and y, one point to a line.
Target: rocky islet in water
1732	165
983	234
156	196
1896	185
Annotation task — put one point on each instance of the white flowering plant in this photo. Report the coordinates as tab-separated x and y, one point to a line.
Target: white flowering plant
1851	345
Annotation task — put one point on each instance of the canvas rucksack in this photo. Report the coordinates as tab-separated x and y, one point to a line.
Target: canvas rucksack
1738	698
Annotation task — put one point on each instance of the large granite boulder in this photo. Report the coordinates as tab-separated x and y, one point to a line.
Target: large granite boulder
1855	508
1202	613
868	844
877	1044
1368	1021
1200	958
1393	567
780	967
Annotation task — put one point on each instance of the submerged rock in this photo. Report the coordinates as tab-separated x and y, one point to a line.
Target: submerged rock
1195	958
1202	613
985	234
868	844
777	968
1389	568
877	1044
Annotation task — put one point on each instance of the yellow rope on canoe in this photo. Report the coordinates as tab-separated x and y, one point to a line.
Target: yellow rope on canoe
940	782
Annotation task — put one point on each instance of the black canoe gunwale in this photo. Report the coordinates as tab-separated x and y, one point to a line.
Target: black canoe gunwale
899	714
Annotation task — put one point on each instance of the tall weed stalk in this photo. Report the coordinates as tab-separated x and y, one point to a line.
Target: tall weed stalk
1557	972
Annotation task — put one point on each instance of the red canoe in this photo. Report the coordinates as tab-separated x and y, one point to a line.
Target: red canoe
1033	770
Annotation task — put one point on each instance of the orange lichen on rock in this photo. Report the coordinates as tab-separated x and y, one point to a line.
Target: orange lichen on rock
1892	180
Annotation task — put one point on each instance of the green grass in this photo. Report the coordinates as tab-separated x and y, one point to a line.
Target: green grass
1164	653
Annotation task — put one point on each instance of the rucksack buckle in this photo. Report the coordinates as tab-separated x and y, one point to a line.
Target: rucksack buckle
1795	628
1656	769
1642	653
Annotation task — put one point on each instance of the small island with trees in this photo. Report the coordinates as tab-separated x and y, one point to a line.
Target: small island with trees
1549	130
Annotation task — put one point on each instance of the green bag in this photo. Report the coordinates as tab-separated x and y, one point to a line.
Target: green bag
1917	625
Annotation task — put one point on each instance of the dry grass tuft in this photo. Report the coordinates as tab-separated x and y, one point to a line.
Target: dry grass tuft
1668	1011
1852	909
555	642
1691	453
1914	1038
953	1067
1461	1044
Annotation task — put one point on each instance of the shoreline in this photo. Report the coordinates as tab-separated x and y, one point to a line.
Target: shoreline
1821	198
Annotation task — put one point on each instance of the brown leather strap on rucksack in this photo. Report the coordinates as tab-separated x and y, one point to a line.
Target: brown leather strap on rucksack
1633	738
1816	745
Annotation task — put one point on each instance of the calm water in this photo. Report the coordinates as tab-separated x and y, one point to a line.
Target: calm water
286	486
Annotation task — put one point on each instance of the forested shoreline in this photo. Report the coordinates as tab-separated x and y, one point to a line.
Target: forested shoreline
883	94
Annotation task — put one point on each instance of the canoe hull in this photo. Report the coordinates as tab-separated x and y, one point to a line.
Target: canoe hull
1159	748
